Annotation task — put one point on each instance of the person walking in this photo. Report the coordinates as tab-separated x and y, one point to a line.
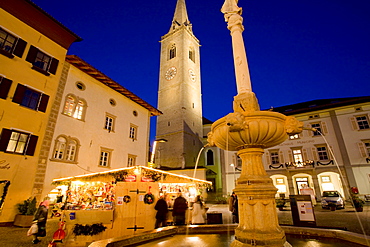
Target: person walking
162	209
179	208
40	218
198	212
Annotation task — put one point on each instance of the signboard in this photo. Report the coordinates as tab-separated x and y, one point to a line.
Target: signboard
302	210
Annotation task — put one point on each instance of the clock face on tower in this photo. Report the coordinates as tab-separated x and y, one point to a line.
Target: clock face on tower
170	73
192	75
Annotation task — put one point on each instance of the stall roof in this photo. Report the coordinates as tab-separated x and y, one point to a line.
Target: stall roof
120	173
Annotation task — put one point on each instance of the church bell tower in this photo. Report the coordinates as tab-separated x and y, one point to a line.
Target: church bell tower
179	95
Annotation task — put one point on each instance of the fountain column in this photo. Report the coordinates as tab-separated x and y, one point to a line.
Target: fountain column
249	131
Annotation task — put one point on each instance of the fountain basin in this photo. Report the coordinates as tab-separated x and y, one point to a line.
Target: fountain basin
223	235
262	129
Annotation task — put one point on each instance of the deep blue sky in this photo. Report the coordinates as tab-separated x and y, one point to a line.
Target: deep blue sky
298	50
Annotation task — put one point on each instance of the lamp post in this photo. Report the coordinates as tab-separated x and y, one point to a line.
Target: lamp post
151	163
233	166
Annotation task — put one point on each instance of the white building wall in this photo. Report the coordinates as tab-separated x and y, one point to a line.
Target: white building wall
91	134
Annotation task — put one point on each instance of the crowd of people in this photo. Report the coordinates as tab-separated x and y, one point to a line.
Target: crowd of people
180	206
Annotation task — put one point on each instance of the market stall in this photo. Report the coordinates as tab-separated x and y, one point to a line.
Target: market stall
118	202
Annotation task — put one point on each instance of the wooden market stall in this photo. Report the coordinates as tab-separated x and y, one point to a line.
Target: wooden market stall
121	201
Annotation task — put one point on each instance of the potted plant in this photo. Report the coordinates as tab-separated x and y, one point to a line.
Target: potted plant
358	203
280	203
26	211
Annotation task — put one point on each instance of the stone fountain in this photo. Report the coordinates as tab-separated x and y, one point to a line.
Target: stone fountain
249	131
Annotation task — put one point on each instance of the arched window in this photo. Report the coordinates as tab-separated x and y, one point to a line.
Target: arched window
71	150
60	146
65	149
74	107
79	110
69	106
210	161
172	51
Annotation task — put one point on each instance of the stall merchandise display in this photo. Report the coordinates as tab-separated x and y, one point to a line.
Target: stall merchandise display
90	195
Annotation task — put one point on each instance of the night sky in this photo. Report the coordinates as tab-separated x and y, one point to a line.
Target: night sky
298	50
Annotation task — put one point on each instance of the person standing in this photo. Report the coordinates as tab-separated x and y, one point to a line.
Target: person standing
40	218
179	208
233	207
162	209
198	212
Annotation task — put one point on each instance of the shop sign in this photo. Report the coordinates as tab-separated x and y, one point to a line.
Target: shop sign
130	178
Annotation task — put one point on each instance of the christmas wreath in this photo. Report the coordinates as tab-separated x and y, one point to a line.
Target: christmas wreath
127	199
148	198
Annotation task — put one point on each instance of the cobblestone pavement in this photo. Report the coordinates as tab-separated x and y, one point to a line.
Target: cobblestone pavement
344	218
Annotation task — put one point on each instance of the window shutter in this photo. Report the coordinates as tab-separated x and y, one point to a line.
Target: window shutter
314	154
310	132
53	66
31	145
19	93
324	128
43	102
354	123
19	48
362	148
4	139
305	156
268	158
32	53
4	87
290	154
281	157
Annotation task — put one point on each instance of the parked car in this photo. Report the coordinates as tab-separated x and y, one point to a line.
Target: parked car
332	197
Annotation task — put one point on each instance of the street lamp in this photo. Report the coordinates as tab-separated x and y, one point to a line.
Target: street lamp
151	163
233	166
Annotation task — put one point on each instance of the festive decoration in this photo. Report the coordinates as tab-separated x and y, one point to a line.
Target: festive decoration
88	230
127	199
148	198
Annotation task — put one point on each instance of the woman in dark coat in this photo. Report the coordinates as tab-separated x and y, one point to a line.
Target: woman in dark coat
162	209
40	218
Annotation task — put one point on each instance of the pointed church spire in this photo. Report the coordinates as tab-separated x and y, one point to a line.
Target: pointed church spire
180	18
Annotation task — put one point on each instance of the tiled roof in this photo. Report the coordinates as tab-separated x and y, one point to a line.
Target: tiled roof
96	74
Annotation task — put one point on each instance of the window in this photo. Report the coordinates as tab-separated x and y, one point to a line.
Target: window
9	44
318	127
41	61
109	122
65	149
293	137
210	160
4	87
297	155
364	147
13	141
133	132
322	152
363	122
274	157
172	51
131	160
105	155
30	98
74	107
80	86
191	54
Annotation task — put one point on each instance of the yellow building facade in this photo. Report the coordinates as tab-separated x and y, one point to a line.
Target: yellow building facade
33	47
